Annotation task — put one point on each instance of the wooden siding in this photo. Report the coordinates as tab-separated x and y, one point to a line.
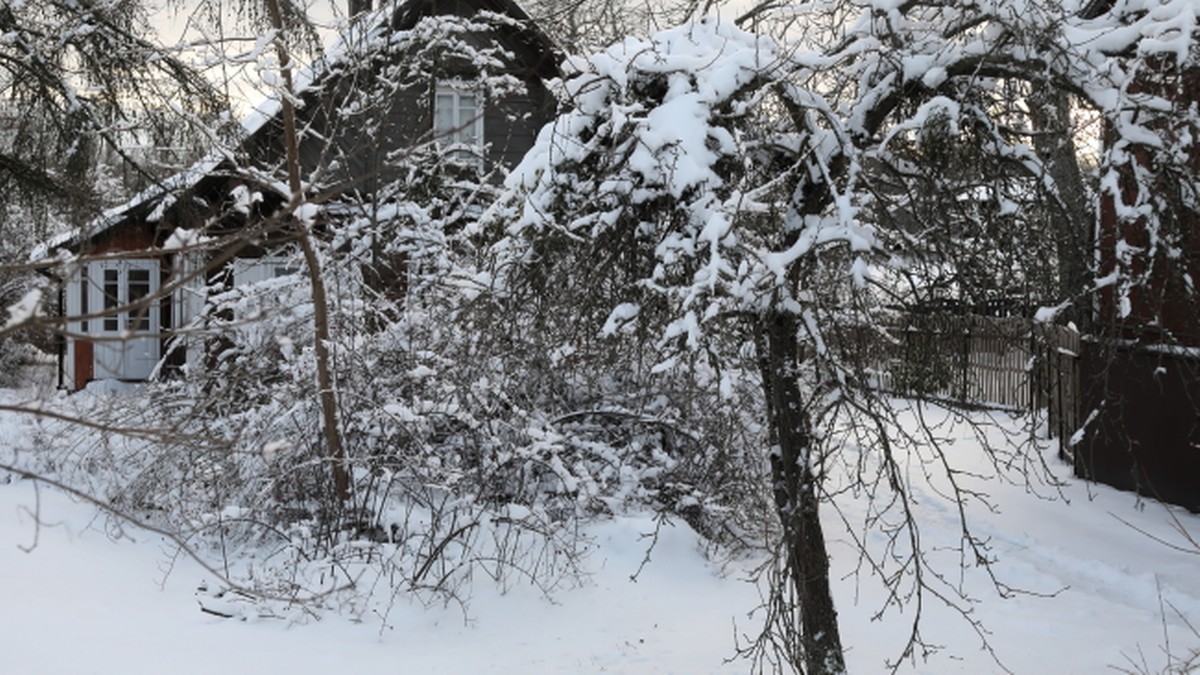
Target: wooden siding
137	235
1163	309
1142	430
510	124
1140	379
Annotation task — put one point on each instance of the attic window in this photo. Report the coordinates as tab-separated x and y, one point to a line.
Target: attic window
458	121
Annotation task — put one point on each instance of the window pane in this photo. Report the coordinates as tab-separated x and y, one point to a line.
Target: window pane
111	302
139	287
468	112
443	112
466	108
83	298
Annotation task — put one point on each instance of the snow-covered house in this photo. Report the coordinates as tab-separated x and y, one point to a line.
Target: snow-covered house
465	78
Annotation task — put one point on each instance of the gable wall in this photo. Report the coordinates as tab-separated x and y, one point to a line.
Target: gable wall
138	236
345	151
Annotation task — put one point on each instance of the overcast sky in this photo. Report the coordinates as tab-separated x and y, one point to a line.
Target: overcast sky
175	24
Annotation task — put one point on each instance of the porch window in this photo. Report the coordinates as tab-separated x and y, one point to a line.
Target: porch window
266	285
112	287
458	121
84	308
138	288
121	342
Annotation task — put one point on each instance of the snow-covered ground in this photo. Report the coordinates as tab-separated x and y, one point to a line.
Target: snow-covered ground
77	596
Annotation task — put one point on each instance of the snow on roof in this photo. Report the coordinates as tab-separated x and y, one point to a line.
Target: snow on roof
364	29
362	34
164	189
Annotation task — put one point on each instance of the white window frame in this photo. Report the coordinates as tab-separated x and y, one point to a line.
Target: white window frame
247	271
126	342
456	122
255	280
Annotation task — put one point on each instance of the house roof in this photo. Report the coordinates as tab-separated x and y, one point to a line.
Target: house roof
161	195
392	15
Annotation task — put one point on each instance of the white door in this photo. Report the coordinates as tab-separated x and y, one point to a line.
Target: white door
126	337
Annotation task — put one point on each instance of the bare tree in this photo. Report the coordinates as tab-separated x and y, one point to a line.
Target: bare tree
737	173
325	382
714	213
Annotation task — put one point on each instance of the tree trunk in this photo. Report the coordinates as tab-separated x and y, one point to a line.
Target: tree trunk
1074	235
796	499
325	389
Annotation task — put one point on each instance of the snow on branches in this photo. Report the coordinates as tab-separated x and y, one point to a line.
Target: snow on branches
665	146
775	200
731	159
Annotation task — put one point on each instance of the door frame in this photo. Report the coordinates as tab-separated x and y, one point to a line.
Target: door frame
125	341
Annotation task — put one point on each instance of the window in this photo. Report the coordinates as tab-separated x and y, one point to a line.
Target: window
266	285
84	305
137	287
125	296
458	120
112	285
248	271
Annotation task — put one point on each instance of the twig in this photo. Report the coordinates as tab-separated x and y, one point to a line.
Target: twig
173	537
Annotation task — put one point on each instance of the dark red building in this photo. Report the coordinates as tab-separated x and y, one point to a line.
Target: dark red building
1141	367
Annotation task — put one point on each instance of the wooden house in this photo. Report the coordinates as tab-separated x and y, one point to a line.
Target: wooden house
411	76
1140	368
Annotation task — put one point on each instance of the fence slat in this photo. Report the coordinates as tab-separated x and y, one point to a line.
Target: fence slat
1006	363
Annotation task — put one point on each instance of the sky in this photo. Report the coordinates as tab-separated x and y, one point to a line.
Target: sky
179	26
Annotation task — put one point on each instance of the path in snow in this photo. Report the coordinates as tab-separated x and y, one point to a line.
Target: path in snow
86	599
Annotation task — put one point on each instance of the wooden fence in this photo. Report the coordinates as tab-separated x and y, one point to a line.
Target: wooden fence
1142	401
1057	384
1003	363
